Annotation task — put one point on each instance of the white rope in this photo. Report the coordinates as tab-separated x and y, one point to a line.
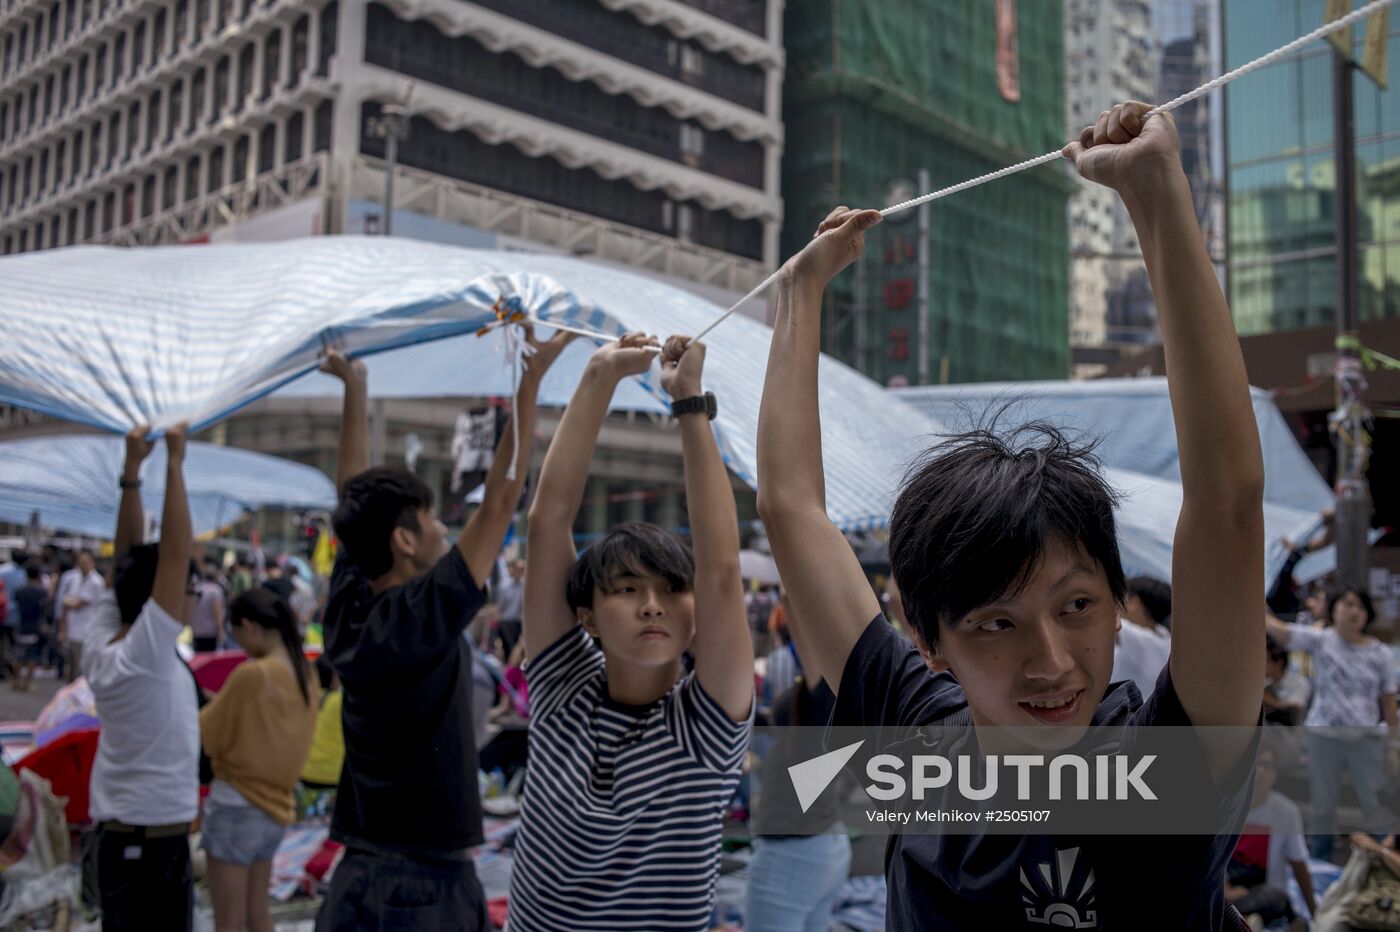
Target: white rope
1262	61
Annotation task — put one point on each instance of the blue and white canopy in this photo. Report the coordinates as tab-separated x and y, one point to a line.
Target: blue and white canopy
1132	420
71	483
116	337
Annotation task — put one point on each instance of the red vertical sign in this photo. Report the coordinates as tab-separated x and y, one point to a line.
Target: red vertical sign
1008	52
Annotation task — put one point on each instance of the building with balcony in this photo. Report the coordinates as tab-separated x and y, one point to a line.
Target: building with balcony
643	132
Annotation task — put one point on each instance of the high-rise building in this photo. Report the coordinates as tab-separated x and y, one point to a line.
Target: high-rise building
1282	180
1135	50
877	92
644	132
1109	58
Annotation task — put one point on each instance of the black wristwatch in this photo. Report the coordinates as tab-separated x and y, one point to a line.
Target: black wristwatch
697	404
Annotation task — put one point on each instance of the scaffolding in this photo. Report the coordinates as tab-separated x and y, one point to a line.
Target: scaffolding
878	91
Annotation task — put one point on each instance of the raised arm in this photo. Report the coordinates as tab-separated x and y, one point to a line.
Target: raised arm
176	537
486	529
1217	656
549	539
354	416
1280	631
131	515
722	645
825	583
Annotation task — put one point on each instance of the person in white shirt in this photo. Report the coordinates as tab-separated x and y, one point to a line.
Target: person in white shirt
144	791
1144	641
1270	845
80	605
1353	706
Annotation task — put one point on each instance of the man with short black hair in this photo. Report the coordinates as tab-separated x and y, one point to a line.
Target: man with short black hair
145	778
1005	549
633	760
1144	641
408	810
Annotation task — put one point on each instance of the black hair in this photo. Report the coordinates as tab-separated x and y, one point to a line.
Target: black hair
1156	597
634	549
1275	650
19	557
372	505
265	609
134	578
32	571
971	523
1366	604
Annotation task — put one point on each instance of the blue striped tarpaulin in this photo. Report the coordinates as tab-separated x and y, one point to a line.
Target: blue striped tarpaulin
114	337
71	482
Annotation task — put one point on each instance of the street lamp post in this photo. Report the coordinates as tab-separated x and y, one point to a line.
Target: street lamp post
391	125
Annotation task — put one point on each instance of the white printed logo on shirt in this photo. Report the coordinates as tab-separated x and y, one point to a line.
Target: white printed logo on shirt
1055	896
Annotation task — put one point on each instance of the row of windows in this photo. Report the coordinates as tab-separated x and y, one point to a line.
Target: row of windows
76	83
186	105
463	64
462	155
253	153
621	35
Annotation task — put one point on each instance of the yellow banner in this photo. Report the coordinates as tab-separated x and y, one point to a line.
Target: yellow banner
1333	11
1374	56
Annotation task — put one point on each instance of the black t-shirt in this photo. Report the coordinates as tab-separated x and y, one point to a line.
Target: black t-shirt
31	602
801	712
1006	882
409	780
281	587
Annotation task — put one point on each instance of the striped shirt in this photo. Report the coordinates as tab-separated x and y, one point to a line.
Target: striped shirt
624	806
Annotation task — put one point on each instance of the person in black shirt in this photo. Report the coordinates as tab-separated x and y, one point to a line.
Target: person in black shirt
32	603
407	809
1005	551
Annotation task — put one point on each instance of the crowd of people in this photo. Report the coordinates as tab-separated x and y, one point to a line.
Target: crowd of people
629	669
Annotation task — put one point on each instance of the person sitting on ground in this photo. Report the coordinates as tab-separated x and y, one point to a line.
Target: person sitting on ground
31	603
257	731
632	762
1270	845
1354	693
1144	642
1006	554
144	790
1286	691
401	594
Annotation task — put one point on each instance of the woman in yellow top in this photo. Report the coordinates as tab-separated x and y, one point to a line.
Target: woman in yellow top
322	770
257	732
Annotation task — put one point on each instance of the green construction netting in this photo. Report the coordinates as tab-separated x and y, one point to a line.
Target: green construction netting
875	91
